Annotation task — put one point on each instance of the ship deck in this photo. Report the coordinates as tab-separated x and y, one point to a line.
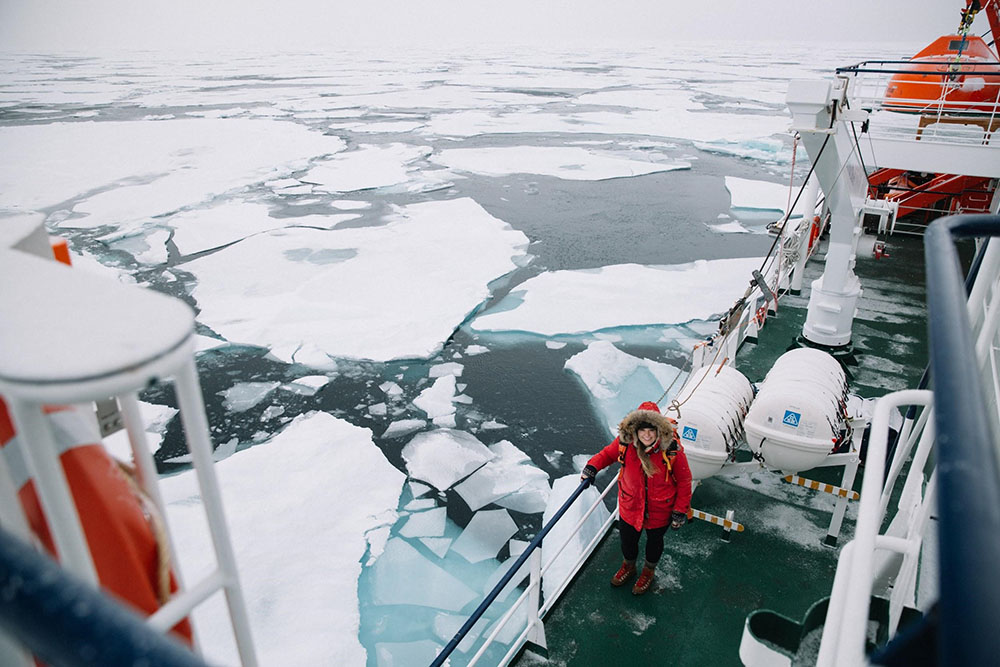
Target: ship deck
706	586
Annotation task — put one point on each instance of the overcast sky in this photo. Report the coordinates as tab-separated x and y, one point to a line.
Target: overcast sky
185	25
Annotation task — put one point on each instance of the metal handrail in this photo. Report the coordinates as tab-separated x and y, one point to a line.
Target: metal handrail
512	572
69	623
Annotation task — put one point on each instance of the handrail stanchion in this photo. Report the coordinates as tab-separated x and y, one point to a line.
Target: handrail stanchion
488	600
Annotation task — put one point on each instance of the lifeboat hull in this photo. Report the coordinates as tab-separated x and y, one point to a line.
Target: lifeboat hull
941	80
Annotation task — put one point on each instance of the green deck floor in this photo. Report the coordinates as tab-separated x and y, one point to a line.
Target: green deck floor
705	586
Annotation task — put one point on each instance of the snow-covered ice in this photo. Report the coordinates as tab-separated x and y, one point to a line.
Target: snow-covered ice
298	536
510	471
444	456
569	302
619	382
563	162
294	286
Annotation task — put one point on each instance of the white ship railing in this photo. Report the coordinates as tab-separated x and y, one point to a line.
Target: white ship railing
965	477
530	604
933	133
933	117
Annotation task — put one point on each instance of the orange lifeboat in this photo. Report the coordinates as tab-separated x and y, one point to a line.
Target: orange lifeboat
953	76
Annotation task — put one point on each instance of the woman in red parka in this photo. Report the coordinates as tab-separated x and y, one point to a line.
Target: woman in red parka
654	487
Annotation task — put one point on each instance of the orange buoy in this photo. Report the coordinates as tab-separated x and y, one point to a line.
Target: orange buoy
127	551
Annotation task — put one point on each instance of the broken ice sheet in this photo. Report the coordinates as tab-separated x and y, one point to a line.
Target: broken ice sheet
618	382
402	575
561	566
403	427
504	475
425	524
444	456
307	385
436	400
438	545
532	498
244	395
486	533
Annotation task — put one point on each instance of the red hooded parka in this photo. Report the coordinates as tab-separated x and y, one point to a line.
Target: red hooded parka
647	501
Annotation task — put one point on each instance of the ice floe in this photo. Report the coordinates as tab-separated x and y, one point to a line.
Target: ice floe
444	456
157	168
485	534
245	395
507	473
571	302
402	576
298	536
360	293
618	382
558	567
569	163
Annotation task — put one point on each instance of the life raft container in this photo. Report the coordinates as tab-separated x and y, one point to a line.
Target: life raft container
118	522
713	403
798	415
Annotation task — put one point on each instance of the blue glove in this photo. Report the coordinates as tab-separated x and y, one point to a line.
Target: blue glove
677	519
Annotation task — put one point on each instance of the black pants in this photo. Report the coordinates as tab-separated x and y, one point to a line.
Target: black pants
630	542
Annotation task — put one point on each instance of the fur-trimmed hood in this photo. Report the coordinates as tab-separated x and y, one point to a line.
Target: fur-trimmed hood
647	412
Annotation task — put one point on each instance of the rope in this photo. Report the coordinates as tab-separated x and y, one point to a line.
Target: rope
158	528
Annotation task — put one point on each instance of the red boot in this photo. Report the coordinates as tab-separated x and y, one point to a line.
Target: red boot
624	573
645	580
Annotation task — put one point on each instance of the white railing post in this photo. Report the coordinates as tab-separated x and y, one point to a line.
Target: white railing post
536	630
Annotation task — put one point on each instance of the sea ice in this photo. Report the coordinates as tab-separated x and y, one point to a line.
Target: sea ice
160	168
425	524
619	382
403	427
366	168
202	229
402	576
529	499
420	503
244	395
570	163
507	473
436	400
446	625
485	534
406	654
391	389
299	562
568	302
298	286
444	456
557	569
438	545
747	193
154	418
450	368
306	385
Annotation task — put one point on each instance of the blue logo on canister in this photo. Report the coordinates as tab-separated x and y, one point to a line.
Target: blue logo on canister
792	418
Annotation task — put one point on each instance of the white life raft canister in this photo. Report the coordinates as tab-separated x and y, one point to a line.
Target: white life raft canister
798	414
714	402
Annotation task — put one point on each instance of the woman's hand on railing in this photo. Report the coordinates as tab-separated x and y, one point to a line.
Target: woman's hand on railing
588	474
